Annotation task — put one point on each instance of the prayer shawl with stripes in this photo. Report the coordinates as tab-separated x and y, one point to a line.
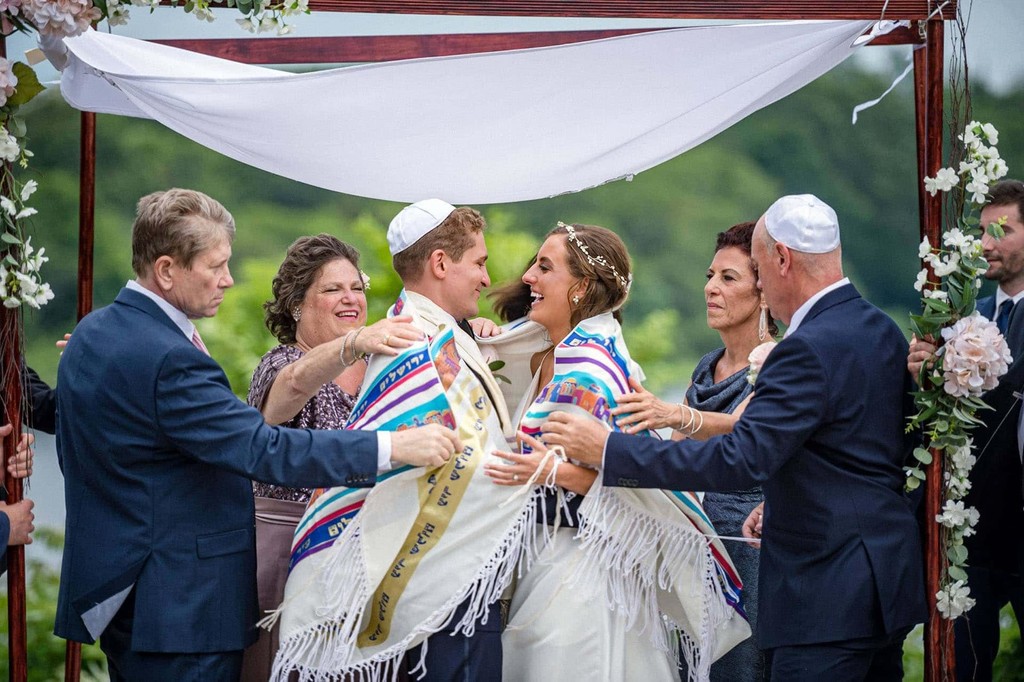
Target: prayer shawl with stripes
375	571
654	550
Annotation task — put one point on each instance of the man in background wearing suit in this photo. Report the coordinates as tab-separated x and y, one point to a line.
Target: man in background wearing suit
995	554
157	454
841	579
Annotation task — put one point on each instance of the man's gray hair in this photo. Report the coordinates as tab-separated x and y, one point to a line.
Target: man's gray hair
180	223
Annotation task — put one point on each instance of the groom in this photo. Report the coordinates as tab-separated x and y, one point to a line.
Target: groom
841	576
439	252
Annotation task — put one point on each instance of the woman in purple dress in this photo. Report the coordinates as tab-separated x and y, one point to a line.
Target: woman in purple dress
309	381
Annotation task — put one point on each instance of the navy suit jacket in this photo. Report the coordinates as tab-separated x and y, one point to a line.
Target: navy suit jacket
157	455
996	477
42	412
824	436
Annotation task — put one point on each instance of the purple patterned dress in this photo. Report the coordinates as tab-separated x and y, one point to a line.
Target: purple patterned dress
328	409
278	508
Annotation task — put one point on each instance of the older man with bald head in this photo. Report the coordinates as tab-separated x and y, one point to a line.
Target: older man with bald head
841	579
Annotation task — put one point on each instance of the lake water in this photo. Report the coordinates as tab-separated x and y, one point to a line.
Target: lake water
46	489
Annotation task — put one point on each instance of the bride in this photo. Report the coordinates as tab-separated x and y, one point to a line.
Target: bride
573	612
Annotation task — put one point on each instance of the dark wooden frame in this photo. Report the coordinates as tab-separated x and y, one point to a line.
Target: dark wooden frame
927	33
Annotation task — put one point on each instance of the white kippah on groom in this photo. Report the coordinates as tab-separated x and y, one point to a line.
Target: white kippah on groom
414	221
804	223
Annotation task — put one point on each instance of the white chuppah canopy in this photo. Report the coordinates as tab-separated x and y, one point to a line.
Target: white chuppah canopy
484	128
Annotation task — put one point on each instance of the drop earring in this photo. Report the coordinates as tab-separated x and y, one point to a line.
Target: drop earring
762	322
296	313
575	300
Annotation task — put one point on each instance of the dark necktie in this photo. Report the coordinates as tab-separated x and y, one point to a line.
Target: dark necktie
465	326
1003	316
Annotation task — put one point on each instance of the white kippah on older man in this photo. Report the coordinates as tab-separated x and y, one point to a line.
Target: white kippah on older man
804	223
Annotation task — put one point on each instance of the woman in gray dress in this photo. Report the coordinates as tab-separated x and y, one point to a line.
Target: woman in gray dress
717	394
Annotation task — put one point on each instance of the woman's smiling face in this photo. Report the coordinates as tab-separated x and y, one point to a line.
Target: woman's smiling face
551	285
334	304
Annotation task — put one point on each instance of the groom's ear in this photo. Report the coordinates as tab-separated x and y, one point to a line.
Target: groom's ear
437	264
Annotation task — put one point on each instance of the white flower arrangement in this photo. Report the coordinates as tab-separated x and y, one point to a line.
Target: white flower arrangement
973	357
21	280
756	360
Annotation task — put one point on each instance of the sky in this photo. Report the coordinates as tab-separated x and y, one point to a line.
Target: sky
995	33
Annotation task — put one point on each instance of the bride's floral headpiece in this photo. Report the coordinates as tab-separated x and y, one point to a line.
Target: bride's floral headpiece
625	282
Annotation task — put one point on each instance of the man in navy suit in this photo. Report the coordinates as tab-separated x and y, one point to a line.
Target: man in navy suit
995	561
841	579
157	454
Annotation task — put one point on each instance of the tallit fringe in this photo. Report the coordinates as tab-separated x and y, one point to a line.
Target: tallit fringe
324	651
636	555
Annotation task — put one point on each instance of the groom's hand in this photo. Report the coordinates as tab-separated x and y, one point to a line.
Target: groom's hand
582	438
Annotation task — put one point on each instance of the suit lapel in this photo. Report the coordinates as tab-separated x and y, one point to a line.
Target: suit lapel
987	307
134	299
1015	331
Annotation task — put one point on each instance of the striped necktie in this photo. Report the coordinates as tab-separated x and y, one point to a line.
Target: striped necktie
198	342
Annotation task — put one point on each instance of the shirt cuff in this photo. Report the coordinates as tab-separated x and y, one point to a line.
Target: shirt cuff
383	451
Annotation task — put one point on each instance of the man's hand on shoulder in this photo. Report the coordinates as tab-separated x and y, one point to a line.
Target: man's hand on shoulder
426	446
21	518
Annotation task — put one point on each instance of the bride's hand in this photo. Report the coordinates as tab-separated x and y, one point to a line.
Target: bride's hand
643	410
484	328
522	465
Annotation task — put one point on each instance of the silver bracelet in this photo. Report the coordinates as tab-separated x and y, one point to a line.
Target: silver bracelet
700	423
341	352
355	355
682	427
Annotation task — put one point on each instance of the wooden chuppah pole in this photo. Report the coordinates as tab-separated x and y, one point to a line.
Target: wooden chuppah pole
86	231
940	665
10	332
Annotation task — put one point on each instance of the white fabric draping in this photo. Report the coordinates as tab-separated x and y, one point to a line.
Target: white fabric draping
485	128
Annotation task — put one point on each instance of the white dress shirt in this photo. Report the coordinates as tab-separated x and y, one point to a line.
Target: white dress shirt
802	311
